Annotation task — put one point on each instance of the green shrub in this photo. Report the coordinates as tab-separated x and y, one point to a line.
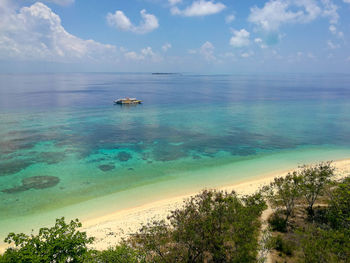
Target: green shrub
325	245
119	254
61	243
277	222
339	205
314	178
283	246
283	193
212	227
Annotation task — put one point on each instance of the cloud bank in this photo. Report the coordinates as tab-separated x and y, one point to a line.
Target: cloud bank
275	13
36	33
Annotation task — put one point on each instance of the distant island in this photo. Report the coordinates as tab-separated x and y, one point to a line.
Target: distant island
165	73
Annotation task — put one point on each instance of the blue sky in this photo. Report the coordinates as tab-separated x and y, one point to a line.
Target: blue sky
198	36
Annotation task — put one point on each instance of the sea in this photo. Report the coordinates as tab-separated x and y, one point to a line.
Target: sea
67	150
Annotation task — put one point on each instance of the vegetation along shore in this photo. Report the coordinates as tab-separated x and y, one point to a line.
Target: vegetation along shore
301	216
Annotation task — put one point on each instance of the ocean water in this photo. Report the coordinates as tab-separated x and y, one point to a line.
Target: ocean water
65	149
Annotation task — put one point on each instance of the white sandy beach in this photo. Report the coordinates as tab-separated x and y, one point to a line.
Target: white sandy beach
111	228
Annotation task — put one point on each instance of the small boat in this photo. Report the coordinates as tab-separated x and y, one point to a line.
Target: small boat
128	101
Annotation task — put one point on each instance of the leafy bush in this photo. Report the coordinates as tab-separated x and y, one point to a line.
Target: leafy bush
325	246
212	227
215	226
277	222
283	246
61	243
119	254
339	205
328	238
284	191
313	181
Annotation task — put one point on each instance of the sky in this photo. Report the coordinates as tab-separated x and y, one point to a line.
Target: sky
190	36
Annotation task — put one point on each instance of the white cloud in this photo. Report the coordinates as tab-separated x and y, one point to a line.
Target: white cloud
332	45
330	11
166	46
247	54
6	10
240	38
333	29
346	1
36	33
207	51
311	12
147	51
150	23
122	22
260	42
300	57
230	18
271	15
200	8
119	20
132	55
145	54
278	12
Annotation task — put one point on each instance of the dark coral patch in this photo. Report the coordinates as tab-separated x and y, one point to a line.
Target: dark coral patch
106	167
124	156
40	182
11	146
35	182
15	166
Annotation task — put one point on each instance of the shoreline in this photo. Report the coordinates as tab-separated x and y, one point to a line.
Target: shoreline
111	228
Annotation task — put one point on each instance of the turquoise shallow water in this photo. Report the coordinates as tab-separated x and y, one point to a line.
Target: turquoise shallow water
65	149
